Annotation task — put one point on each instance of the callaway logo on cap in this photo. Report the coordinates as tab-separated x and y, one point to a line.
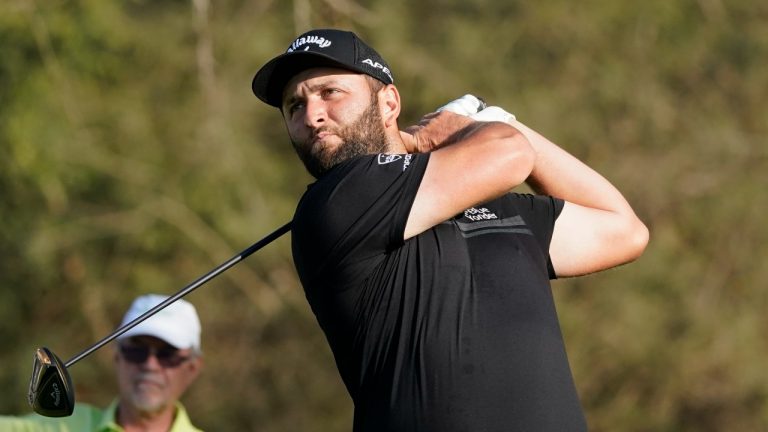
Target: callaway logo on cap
318	48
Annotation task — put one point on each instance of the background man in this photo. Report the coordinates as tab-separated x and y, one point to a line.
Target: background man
156	362
428	276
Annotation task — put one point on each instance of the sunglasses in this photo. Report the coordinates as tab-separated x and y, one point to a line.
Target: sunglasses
167	356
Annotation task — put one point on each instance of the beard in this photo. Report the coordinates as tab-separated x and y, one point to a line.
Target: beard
149	394
364	136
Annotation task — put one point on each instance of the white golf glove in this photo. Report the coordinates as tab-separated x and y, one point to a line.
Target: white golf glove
465	105
476	109
494	113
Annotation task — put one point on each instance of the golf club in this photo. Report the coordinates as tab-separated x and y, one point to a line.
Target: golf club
51	393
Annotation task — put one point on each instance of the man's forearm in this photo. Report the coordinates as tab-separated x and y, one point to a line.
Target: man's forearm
558	173
596	229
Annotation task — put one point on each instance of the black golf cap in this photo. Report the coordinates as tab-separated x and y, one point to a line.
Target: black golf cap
318	48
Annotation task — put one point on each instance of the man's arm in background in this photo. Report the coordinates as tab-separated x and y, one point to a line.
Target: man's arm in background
597	229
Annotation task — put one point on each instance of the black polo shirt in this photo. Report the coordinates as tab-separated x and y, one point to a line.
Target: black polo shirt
452	330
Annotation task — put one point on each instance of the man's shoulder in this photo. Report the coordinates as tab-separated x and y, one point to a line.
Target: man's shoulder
371	165
366	173
530	202
182	422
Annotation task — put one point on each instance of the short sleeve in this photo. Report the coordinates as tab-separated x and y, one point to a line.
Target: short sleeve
352	216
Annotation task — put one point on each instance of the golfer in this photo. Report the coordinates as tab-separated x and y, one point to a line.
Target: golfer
156	362
428	275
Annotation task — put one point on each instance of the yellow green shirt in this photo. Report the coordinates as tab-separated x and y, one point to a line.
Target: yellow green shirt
85	418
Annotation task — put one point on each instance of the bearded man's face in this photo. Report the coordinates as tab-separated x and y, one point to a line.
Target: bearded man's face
332	117
363	136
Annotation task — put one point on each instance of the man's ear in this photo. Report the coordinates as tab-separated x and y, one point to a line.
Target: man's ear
197	363
389	104
194	366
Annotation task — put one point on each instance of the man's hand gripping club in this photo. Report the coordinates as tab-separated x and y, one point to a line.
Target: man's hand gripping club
450	123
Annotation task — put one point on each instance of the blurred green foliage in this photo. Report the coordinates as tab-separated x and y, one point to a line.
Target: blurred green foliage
134	158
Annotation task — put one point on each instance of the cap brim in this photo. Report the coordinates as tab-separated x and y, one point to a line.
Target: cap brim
160	331
270	81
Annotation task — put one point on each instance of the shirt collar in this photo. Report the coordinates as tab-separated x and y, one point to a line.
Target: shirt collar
108	423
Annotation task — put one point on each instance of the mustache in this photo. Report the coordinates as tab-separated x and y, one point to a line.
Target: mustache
322	129
148	377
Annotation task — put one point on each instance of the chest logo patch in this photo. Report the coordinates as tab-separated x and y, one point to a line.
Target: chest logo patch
389	158
490	223
483	213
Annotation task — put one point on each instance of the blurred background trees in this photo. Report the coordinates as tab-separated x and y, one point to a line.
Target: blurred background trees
134	158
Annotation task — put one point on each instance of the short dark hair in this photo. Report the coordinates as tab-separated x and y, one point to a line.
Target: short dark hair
375	84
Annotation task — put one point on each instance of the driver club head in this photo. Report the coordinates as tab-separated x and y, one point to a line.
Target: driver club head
51	393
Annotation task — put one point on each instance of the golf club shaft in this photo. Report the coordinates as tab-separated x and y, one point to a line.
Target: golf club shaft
184	291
